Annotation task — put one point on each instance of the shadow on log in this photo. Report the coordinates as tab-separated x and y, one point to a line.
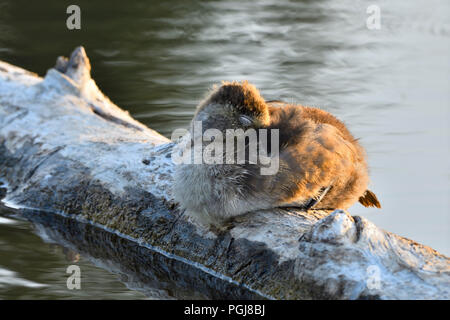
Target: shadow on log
65	148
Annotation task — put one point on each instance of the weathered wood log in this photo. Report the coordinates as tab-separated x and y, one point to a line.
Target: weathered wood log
67	149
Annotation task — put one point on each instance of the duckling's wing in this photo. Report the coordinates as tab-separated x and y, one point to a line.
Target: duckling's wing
316	199
310	203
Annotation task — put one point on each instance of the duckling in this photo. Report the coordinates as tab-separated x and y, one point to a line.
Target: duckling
320	164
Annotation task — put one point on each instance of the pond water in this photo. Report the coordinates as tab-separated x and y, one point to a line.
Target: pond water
33	266
156	59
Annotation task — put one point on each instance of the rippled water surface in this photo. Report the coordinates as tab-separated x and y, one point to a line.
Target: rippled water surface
157	59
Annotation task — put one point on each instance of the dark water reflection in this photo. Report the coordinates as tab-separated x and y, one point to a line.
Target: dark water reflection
390	86
147	273
32	267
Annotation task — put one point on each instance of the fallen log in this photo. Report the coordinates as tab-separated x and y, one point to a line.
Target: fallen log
65	148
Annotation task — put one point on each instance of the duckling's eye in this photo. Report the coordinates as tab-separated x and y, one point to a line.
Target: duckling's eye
245	120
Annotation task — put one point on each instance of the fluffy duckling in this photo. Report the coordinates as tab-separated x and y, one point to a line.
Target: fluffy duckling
320	164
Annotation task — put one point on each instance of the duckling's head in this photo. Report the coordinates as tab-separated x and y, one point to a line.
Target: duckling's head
233	105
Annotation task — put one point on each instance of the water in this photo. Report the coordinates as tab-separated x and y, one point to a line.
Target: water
31	268
390	86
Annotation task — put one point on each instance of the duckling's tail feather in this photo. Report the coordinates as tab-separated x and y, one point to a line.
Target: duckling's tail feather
369	199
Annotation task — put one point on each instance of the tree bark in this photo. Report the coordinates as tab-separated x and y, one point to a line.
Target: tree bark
65	148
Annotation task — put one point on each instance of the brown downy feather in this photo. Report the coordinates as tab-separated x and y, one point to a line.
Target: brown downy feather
369	199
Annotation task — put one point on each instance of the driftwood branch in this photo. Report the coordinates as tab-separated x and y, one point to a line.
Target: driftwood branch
66	148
